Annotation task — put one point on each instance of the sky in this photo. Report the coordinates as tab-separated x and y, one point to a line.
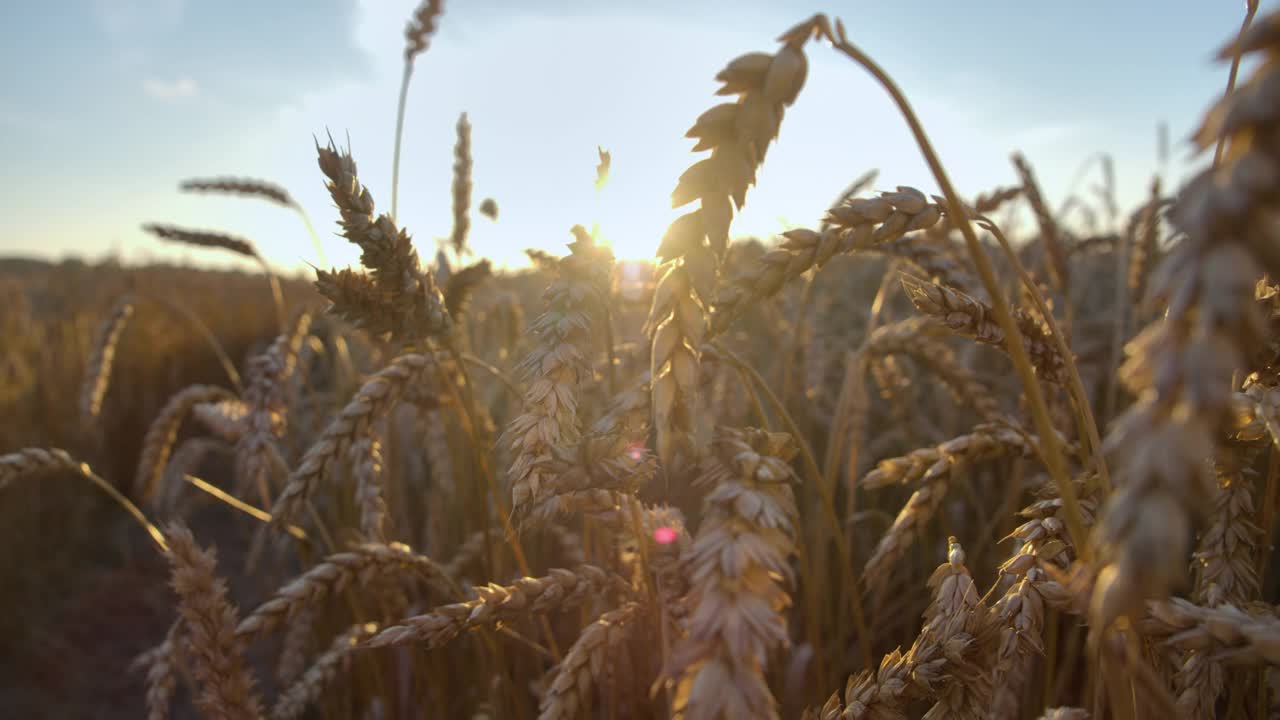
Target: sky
106	105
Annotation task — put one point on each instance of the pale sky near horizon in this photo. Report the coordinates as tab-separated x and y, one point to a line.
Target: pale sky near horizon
107	104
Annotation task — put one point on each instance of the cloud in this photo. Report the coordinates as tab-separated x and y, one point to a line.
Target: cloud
177	89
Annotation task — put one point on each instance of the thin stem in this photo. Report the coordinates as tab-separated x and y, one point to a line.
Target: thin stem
1053	457
395	158
1251	9
277	295
507	382
315	236
156	536
227	366
256	513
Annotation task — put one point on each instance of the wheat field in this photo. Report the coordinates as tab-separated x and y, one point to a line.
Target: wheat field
894	465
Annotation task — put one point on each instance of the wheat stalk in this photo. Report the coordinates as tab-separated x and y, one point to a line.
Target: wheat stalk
417	35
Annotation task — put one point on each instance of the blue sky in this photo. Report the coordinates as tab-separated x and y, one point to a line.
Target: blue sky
106	105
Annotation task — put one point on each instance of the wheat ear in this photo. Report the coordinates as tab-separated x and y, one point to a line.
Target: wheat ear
939	664
461	186
569	695
97	376
738	567
932	467
858	224
559	362
1225	572
371	401
495	603
160	665
227	688
738	135
1181	366
362	564
163	432
970	317
396	297
1049	233
295	700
